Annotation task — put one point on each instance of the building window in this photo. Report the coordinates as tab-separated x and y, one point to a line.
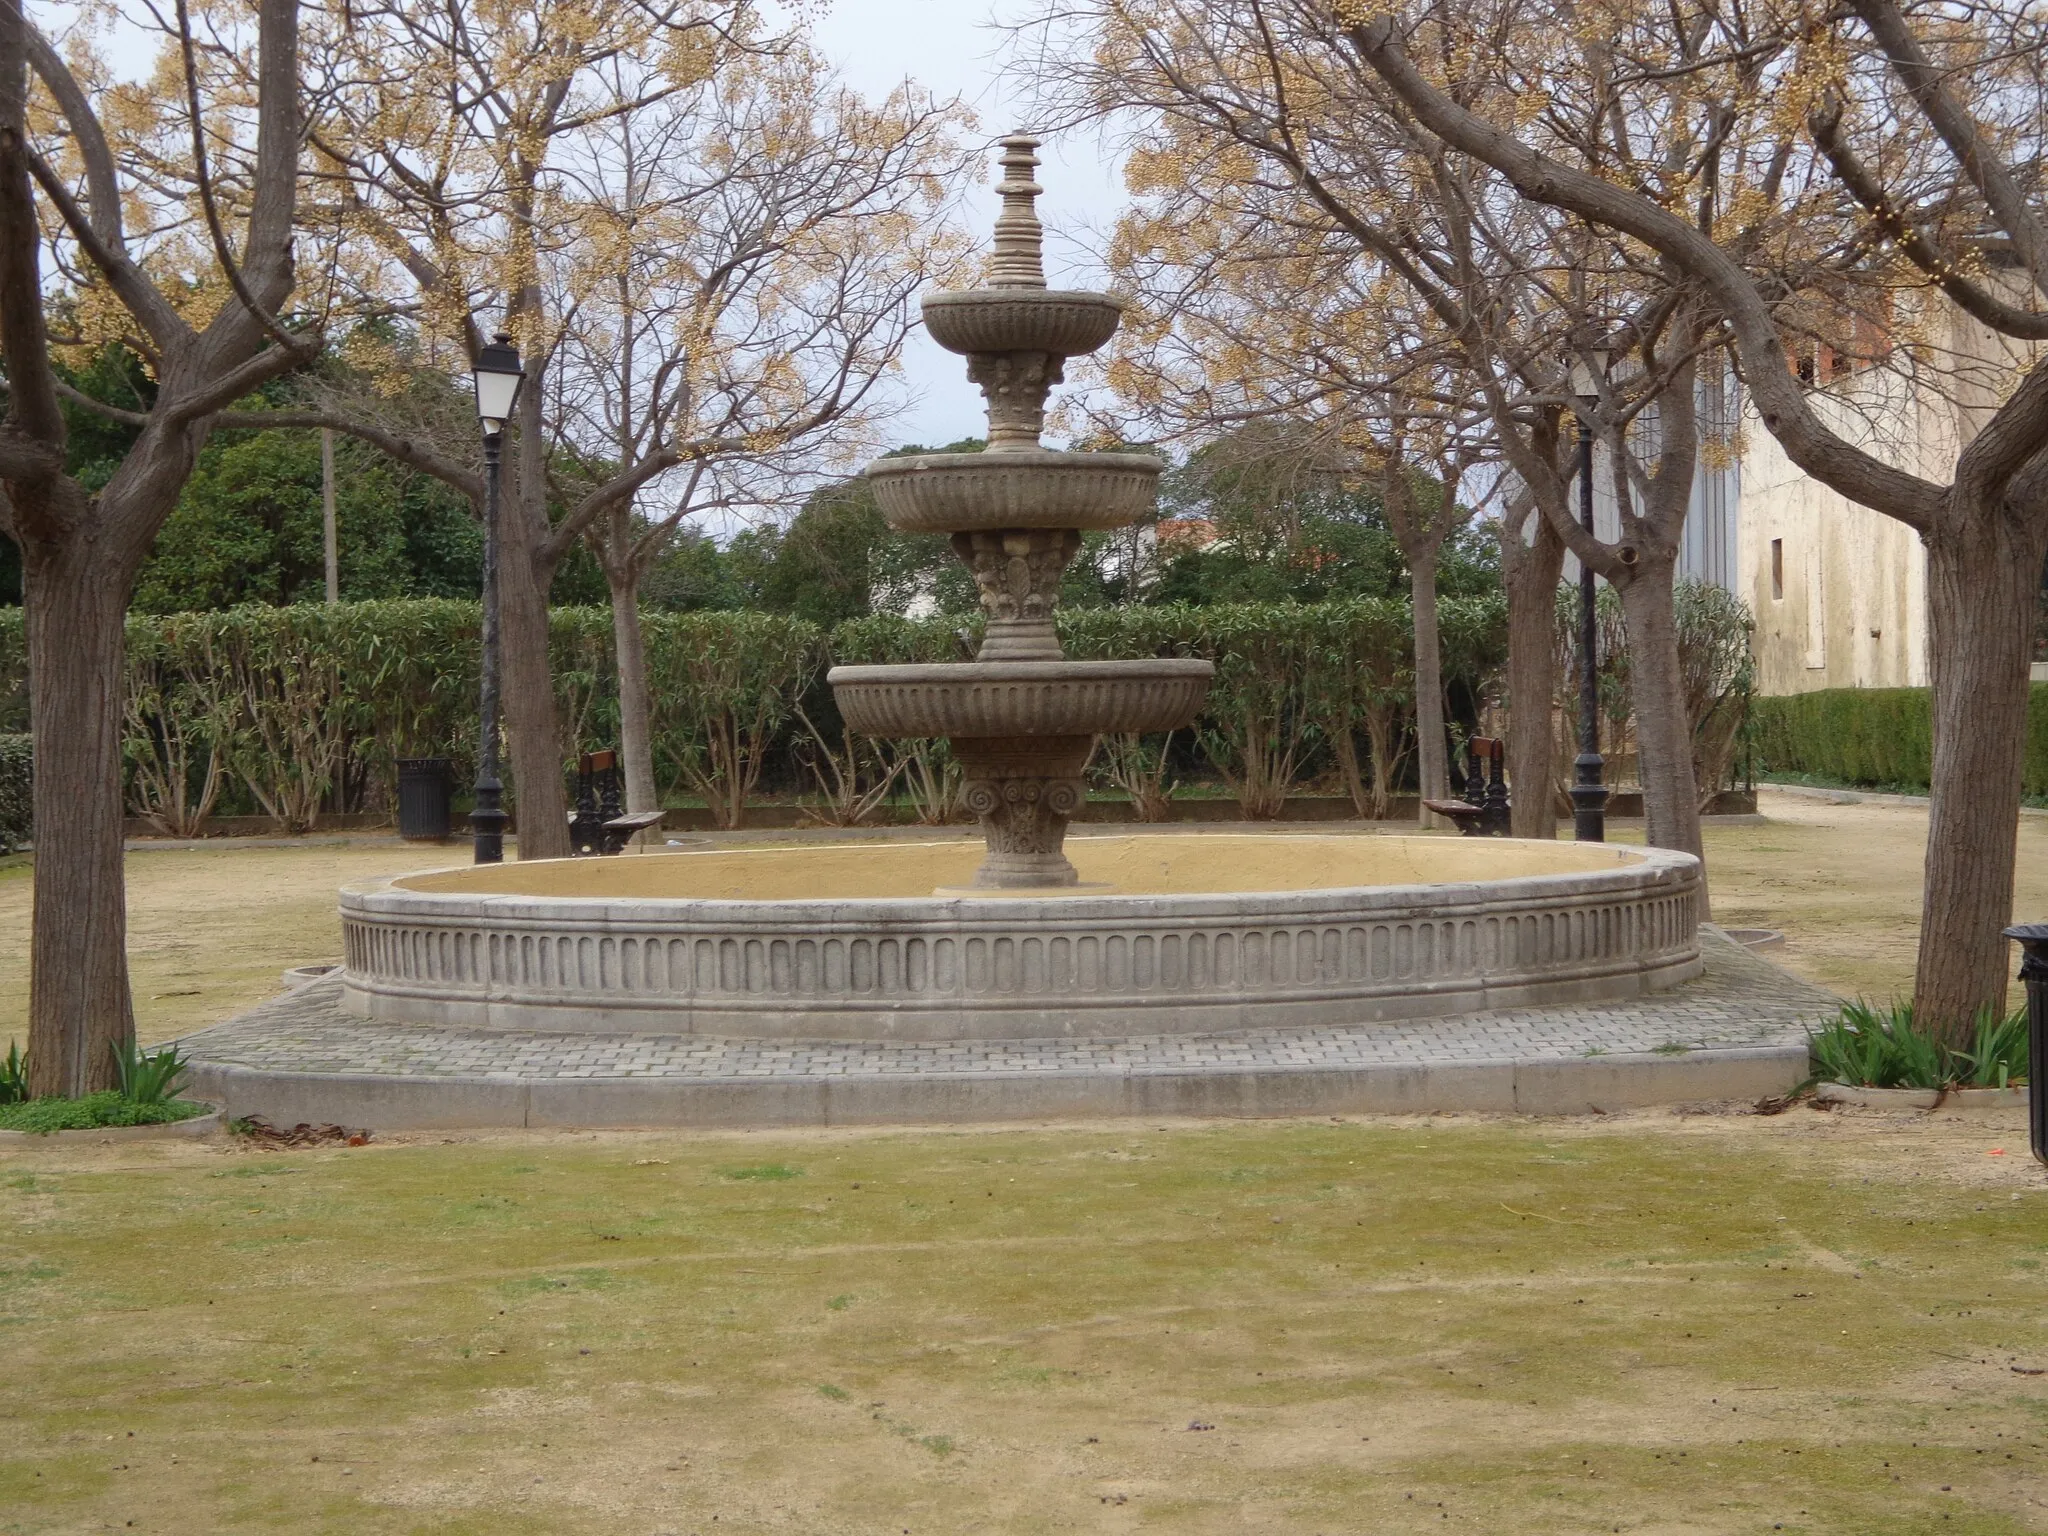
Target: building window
1777	570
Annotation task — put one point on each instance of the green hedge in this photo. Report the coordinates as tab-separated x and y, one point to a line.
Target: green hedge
302	711
17	821
1873	736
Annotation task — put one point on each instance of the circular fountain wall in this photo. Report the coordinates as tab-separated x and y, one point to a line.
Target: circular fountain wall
1199	934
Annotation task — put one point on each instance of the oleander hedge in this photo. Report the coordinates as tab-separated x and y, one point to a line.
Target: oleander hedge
16	784
302	711
1880	737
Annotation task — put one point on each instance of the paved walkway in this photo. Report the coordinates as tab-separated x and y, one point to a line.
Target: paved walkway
1739	1030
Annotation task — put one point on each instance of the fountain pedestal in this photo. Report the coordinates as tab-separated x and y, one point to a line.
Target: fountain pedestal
1023	790
1021	718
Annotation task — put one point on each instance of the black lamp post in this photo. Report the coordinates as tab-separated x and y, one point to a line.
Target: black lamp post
498	377
1589	793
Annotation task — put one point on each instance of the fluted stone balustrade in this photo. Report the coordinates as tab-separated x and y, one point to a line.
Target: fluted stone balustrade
1083	966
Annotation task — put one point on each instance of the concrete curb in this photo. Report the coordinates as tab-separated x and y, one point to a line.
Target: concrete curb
1557	1086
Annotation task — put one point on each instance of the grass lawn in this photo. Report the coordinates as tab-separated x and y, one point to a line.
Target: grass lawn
1648	1324
1651	1323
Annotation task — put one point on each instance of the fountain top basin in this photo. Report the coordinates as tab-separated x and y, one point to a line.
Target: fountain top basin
1061	322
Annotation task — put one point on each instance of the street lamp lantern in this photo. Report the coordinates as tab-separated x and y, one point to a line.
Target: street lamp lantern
1589	366
498	377
1589	791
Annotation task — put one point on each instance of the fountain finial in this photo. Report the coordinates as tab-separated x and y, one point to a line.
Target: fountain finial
1020	239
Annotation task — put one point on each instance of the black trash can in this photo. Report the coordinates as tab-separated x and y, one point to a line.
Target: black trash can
423	799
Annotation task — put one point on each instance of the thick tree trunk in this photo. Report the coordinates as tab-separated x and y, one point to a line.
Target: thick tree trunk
1531	573
532	729
1982	588
1432	754
76	601
1671	800
636	735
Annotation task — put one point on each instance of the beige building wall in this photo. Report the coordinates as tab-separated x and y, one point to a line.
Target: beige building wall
1839	592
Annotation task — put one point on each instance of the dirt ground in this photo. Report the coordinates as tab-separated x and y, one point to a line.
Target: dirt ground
211	928
1653	1324
1843	884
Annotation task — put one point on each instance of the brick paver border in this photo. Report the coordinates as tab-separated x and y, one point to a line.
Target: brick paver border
1738	1031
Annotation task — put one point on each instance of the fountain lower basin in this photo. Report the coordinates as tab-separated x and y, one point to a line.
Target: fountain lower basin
1023	488
1205	934
1021	698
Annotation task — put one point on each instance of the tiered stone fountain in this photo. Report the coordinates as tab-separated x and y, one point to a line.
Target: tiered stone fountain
899	941
1022	719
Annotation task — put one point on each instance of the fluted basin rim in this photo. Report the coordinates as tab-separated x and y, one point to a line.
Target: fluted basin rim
951	297
463	889
1072	670
1058	461
978	700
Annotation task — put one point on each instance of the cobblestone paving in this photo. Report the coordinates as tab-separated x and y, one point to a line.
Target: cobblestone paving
1740	1002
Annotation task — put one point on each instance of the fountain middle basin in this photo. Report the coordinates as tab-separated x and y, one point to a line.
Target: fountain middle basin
1220	932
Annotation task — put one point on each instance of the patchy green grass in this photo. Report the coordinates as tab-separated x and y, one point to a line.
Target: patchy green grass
1449	1325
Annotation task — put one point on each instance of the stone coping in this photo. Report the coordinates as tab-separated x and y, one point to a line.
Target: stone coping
1738	1031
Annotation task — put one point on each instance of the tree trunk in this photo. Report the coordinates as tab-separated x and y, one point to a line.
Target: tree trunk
1432	753
1531	573
532	730
1982	588
636	736
1671	801
76	602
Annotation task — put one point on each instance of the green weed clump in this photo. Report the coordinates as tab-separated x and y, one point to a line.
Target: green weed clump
1888	1047
771	1172
146	1095
95	1111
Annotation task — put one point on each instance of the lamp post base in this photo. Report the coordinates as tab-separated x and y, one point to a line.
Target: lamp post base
1589	799
487	823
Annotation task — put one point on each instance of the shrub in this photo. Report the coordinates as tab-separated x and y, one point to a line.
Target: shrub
305	710
17	792
147	1077
1888	1048
1874	736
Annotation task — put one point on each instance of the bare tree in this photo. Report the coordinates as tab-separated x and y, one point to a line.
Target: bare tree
449	153
1927	122
1289	155
705	246
170	221
765	243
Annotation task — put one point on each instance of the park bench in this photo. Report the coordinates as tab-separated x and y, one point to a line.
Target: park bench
598	825
1483	812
